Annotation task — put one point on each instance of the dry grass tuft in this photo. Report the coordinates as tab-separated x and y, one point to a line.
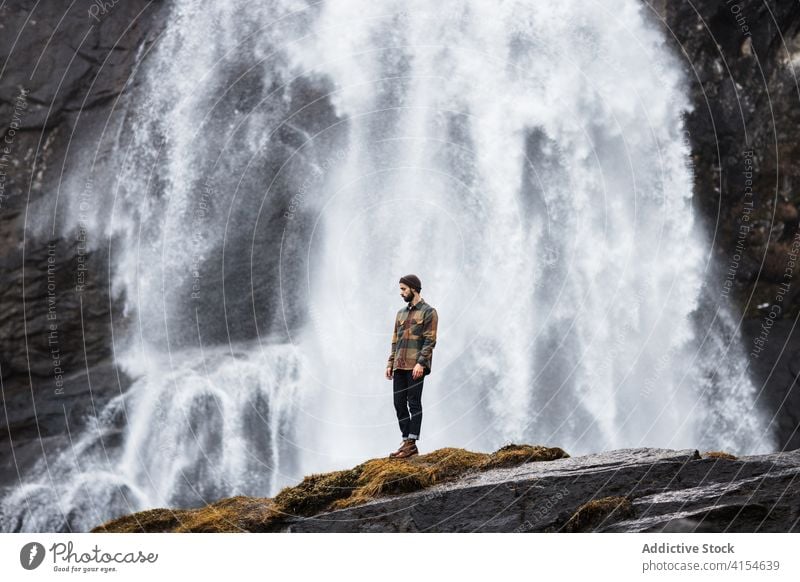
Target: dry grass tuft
593	513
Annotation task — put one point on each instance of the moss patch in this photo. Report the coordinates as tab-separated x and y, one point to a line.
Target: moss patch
719	455
513	455
316	492
323	492
233	514
598	511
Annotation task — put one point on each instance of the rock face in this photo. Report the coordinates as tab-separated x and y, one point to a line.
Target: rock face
61	79
626	490
742	61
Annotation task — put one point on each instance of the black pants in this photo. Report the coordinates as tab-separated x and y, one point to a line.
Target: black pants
408	399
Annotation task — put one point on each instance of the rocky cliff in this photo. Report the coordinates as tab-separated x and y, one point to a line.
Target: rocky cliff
519	488
742	59
65	75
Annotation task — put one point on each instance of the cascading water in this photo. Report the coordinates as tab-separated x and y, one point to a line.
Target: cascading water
282	166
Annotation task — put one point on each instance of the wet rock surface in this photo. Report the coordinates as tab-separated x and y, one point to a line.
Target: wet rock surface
668	491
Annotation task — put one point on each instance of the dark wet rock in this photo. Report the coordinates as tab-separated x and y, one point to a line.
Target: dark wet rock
740	60
61	77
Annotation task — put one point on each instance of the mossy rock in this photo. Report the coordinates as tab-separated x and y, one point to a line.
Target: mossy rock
322	492
593	513
513	455
150	520
719	455
316	492
232	514
388	476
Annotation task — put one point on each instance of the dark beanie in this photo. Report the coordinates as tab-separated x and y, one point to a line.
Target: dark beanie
412	281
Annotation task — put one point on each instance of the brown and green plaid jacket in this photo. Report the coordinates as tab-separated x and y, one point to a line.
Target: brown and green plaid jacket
414	337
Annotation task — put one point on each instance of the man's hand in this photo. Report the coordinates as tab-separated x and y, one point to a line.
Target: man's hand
417	372
388	373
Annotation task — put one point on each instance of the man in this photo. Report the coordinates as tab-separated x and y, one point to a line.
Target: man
413	340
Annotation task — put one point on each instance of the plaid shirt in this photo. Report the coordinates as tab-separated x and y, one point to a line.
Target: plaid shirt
414	337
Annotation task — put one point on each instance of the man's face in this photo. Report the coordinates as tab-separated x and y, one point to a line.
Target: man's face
406	292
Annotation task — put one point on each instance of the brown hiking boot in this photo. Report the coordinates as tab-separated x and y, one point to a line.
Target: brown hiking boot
406	443
408	451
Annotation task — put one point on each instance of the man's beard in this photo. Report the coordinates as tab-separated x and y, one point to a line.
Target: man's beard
408	298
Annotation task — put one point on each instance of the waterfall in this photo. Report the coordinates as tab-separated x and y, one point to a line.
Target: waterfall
279	167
